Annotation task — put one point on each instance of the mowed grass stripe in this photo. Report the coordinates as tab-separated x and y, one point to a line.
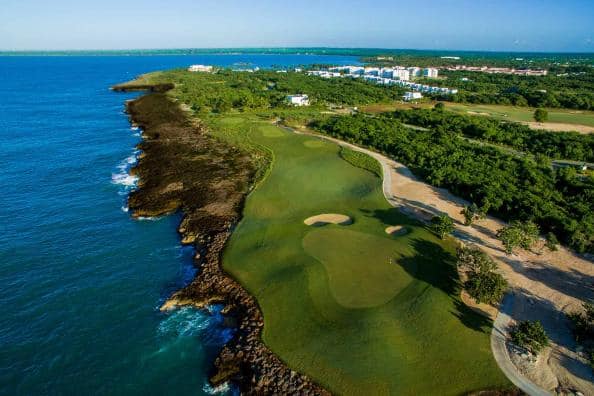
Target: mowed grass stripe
372	329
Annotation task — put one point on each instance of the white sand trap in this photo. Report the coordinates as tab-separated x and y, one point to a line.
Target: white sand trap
328	218
396	230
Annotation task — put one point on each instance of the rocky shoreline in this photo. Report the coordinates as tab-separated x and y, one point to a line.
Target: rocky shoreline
182	168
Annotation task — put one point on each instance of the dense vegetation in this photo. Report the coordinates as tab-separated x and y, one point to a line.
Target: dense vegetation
573	90
558	145
225	90
503	184
361	160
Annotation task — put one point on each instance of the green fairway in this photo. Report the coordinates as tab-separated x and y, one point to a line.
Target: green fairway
501	112
513	113
356	309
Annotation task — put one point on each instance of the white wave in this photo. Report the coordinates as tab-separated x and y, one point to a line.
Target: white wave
124	179
125	209
134	128
224	388
148	218
185	322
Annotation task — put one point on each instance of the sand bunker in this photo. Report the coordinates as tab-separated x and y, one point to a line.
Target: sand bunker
396	230
328	218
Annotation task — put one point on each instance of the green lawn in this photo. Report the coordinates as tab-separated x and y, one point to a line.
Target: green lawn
513	113
501	112
357	310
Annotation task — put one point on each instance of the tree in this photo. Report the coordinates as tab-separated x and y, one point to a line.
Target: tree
442	225
541	115
530	335
483	284
486	287
518	234
551	242
471	213
439	106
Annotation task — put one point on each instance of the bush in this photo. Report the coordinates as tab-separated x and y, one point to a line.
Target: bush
484	285
442	225
530	335
541	115
551	242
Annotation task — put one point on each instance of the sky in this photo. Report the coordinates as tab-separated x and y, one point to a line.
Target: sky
503	25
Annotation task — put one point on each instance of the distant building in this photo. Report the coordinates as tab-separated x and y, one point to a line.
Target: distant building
372	71
412	96
401	74
200	68
414	72
298	100
430	72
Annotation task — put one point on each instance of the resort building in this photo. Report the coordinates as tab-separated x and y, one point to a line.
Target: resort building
412	96
414	72
430	72
396	75
200	68
298	100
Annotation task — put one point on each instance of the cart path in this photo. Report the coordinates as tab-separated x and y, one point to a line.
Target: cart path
544	285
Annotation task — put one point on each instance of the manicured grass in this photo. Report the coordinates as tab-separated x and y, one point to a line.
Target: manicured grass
357	310
361	160
509	113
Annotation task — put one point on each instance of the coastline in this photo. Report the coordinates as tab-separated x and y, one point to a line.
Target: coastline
184	169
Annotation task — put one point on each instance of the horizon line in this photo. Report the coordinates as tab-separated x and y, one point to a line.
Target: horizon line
252	48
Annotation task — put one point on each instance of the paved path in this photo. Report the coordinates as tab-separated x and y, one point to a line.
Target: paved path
545	284
500	353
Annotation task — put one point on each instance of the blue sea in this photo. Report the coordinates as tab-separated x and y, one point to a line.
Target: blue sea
80	281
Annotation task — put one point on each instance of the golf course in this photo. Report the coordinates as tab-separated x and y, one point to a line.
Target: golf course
500	112
354	294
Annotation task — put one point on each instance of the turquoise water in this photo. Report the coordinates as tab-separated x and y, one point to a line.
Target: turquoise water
81	282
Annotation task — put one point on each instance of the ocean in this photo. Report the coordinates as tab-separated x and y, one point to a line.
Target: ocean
80	281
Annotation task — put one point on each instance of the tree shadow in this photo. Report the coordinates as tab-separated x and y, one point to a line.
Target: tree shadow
392	216
571	282
437	267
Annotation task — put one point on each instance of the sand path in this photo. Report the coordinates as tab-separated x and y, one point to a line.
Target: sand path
544	285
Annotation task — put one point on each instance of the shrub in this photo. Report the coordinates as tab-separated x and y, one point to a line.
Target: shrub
483	284
530	335
442	225
551	242
541	115
486	287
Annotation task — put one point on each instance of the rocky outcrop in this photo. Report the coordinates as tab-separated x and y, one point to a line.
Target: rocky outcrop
183	169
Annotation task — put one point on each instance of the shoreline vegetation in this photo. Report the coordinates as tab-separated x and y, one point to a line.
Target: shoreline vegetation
170	182
211	138
181	168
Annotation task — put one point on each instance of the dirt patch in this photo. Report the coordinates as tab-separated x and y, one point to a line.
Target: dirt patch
328	218
396	230
561	127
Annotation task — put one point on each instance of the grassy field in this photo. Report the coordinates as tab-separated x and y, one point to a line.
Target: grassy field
359	311
510	113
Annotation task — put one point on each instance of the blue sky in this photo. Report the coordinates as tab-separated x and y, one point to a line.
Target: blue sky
520	25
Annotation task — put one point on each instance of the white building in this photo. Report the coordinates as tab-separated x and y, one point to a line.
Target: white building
412	96
372	71
430	72
414	72
298	100
200	68
401	74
